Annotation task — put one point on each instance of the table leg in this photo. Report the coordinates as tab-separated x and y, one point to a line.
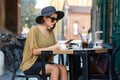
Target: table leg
43	55
85	66
71	67
111	67
77	67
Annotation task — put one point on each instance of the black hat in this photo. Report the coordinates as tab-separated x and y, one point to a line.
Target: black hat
47	11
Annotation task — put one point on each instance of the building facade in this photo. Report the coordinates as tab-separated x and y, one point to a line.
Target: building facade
77	15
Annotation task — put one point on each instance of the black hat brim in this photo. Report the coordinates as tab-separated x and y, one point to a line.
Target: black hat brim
60	15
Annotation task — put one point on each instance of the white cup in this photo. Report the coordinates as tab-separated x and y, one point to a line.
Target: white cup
98	44
62	45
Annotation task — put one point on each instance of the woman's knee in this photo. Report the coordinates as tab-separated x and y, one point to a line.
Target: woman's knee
63	68
53	68
56	68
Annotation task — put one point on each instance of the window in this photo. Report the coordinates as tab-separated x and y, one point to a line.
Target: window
75	28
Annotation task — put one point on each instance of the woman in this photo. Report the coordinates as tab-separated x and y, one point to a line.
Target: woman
42	38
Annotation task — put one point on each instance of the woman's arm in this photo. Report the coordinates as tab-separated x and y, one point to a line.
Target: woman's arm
38	50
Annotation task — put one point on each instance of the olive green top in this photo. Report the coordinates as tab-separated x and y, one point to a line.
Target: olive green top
35	39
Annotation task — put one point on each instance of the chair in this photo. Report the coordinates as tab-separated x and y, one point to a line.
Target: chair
114	67
116	63
14	76
27	77
39	77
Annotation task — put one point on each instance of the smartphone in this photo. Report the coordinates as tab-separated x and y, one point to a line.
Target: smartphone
68	41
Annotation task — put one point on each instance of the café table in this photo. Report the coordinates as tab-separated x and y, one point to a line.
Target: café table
72	62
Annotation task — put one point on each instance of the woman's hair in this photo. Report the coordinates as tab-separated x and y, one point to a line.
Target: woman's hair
41	20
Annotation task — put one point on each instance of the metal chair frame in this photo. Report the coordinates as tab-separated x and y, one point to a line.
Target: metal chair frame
39	77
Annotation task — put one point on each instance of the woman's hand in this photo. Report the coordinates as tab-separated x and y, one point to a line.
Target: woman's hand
57	46
67	45
62	45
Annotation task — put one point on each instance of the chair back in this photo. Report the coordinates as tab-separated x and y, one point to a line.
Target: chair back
116	62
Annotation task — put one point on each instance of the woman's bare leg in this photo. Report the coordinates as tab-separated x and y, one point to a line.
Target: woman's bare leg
63	72
53	71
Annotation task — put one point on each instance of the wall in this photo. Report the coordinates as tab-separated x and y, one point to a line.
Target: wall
2	13
10	16
83	19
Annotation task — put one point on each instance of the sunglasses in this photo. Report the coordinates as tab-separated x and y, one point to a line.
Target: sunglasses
52	18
